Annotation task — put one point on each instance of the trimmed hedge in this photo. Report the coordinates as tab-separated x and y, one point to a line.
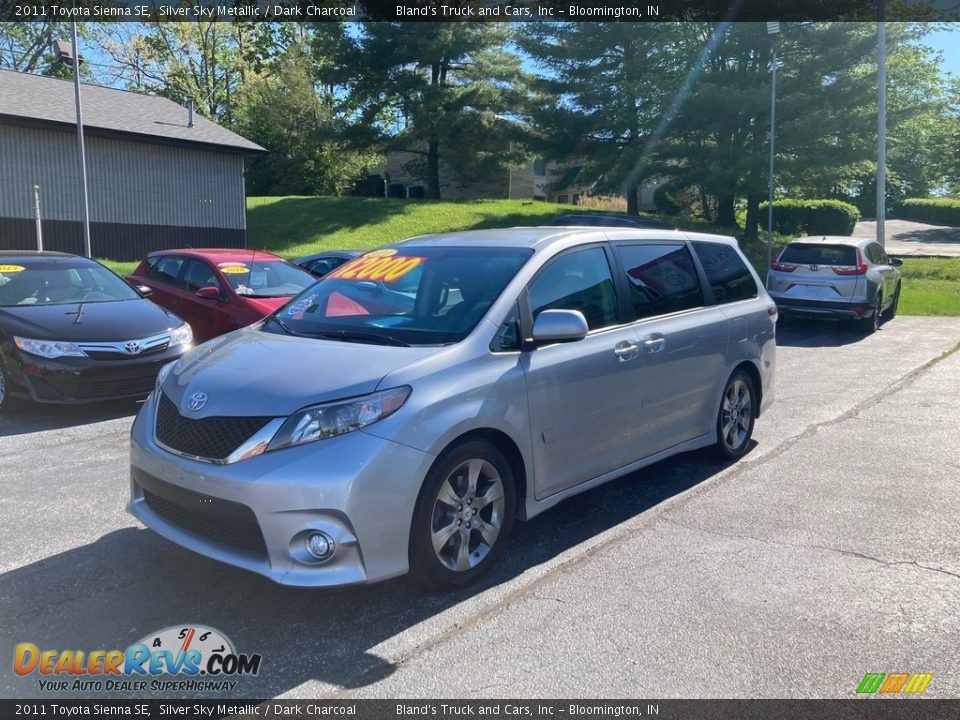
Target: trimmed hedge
940	211
812	217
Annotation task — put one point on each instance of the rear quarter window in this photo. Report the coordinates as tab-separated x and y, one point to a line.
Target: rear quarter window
163	269
726	272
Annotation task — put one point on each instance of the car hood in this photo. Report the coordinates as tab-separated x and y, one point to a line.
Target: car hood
249	372
98	321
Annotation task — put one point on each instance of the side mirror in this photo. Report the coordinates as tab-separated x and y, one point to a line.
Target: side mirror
143	290
208	293
552	326
368	287
896	262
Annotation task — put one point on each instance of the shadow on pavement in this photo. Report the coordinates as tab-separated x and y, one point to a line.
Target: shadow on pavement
130	582
33	417
801	332
939	235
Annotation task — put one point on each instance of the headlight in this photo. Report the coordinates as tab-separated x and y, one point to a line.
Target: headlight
183	335
48	348
336	418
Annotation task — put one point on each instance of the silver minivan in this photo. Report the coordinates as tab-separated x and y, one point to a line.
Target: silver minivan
402	412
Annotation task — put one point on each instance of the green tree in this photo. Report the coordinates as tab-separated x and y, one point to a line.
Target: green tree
282	111
826	116
603	92
435	90
28	47
918	126
205	61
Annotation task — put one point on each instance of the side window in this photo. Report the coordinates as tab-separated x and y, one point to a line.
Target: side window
726	272
198	275
324	265
508	336
579	280
876	255
662	278
164	269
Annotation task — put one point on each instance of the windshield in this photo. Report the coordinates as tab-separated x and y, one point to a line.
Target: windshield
403	296
810	254
60	283
266	278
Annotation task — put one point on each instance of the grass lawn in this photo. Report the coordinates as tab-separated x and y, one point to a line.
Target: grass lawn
295	226
931	286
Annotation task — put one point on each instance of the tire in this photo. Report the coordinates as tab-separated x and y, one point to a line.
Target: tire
736	416
891	312
872	323
448	549
8	403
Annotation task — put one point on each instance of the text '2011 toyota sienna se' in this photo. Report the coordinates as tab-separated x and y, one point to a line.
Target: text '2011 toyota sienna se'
402	412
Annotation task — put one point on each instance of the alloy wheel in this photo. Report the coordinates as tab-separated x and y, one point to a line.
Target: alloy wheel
736	415
468	515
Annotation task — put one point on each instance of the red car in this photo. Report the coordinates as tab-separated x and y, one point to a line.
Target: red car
219	290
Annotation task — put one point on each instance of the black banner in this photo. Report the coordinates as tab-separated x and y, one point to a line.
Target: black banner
854	709
479	10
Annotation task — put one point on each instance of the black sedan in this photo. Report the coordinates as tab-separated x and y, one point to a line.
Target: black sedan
72	331
319	264
641	222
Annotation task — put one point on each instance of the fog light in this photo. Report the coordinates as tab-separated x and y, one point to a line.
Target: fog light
320	545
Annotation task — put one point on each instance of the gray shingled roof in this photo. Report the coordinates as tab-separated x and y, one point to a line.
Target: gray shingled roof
25	98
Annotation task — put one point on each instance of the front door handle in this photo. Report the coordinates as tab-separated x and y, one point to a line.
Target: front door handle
654	343
625	350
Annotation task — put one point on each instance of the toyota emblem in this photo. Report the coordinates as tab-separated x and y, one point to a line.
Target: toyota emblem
196	401
131	348
814	267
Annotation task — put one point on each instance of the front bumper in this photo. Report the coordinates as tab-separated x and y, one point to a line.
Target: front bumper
255	514
74	380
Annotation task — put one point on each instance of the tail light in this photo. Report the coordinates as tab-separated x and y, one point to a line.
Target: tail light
860	269
782	267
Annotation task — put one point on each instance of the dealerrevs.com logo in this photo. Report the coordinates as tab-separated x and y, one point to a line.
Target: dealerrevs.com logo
894	683
205	656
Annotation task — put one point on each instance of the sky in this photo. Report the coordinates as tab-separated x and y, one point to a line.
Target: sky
948	43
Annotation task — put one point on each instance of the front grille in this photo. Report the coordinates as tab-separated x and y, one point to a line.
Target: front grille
96	389
213	438
225	522
113	355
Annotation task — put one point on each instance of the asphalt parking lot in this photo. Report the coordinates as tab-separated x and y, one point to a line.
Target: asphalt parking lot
830	551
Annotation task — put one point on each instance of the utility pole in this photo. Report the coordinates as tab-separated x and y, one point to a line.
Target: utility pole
881	126
36	214
83	155
773	29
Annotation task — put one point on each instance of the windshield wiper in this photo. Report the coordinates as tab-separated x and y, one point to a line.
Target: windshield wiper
286	328
353	336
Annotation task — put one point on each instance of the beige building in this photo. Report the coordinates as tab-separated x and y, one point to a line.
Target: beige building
535	180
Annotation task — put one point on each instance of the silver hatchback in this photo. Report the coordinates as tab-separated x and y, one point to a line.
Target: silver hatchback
402	412
836	276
